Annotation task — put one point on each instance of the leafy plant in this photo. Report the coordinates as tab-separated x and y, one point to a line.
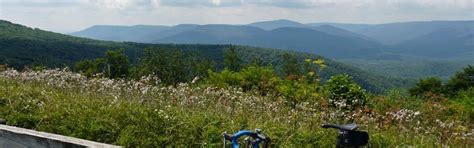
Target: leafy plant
427	85
343	92
463	80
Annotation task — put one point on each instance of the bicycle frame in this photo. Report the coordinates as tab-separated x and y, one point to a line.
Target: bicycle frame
234	138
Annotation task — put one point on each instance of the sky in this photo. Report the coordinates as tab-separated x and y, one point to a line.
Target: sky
73	15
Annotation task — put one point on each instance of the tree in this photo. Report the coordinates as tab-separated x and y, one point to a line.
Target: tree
114	65
290	66
87	67
232	60
343	92
117	64
169	65
462	80
427	85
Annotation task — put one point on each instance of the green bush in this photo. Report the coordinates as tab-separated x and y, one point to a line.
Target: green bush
261	79
342	91
427	85
224	78
462	80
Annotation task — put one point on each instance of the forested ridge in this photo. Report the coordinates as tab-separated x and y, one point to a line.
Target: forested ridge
23	46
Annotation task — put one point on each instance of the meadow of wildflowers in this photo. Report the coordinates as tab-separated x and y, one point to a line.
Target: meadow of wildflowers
147	113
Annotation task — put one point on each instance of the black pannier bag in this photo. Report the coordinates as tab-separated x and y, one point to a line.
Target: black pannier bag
349	136
353	138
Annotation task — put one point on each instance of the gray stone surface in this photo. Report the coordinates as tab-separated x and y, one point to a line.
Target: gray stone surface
14	137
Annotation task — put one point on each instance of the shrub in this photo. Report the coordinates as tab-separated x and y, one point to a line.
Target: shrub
262	79
428	85
462	80
224	78
343	92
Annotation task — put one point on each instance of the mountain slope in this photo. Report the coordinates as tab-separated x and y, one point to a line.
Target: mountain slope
396	33
275	24
439	39
298	39
120	33
340	32
23	46
346	26
215	34
447	42
325	40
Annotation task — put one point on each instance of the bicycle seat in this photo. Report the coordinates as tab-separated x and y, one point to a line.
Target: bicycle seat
345	127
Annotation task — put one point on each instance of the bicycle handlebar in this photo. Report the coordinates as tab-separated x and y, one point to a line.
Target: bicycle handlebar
259	138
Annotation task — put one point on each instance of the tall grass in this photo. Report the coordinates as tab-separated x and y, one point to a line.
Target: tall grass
146	113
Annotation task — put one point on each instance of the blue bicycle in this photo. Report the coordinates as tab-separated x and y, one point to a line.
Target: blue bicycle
254	139
348	136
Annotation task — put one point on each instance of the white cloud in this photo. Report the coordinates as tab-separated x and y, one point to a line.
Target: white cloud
155	3
79	14
112	4
216	2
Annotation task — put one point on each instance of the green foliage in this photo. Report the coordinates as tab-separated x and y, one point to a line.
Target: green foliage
465	100
261	79
225	78
265	81
114	65
21	46
462	80
410	67
290	66
3	67
343	92
196	115
117	65
427	85
297	91
172	66
168	65
89	67
232	60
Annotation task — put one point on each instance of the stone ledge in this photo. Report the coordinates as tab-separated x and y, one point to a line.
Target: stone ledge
19	137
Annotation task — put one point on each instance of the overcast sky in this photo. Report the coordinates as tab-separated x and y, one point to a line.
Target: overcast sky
74	15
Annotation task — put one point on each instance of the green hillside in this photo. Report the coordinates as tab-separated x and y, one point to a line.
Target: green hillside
22	46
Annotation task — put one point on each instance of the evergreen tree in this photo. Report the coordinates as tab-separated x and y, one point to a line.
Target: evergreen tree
117	64
232	60
290	66
169	65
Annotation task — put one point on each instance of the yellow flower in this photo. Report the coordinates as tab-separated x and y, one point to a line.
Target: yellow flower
319	61
323	66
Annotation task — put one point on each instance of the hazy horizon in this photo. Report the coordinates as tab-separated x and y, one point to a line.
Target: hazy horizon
75	15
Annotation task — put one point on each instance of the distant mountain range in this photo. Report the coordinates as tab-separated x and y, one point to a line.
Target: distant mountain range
22	46
440	39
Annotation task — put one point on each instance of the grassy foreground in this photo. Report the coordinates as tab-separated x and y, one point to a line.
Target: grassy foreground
145	113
